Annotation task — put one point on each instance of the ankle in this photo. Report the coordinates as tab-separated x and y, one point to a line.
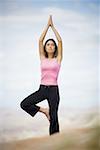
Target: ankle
42	110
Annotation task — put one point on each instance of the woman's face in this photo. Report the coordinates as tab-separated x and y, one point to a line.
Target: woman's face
50	47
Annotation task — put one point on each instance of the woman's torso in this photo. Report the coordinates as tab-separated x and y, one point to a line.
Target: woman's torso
49	71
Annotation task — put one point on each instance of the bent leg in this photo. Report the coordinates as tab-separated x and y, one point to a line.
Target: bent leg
29	103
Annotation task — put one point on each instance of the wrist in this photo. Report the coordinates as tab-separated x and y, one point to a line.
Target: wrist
47	25
52	26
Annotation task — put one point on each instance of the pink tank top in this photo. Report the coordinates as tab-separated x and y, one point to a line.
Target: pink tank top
49	71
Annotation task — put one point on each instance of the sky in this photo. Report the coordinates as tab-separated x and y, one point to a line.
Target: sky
21	24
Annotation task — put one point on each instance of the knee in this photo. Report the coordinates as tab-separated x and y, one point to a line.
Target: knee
22	105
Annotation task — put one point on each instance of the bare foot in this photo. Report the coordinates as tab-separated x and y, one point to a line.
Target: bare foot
46	112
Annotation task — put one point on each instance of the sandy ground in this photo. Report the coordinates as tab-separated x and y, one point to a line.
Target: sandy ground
79	132
79	139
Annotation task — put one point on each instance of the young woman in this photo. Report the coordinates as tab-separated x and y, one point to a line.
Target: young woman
50	57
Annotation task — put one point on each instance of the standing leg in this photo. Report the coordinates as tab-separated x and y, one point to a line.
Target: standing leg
53	102
29	103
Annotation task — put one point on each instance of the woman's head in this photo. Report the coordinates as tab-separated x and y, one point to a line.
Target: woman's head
50	47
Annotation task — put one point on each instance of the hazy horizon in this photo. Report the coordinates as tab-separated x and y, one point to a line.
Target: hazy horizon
21	24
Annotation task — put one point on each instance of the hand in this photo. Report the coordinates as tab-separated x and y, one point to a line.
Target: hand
50	23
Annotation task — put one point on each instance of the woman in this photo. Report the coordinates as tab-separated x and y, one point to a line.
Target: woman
50	57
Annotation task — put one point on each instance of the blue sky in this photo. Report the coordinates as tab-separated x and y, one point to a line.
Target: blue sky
22	22
84	6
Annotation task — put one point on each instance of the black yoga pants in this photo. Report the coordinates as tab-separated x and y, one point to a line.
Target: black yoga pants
49	92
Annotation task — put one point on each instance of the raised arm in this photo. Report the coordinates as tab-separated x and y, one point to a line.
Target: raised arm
60	48
41	50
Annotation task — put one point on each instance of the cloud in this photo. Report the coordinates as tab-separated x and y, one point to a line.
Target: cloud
21	71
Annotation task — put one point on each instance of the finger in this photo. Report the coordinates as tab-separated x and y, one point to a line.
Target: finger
51	17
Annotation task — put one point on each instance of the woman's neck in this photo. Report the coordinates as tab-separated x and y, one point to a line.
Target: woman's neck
50	56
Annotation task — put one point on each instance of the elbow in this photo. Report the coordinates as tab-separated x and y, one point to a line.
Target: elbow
59	40
40	39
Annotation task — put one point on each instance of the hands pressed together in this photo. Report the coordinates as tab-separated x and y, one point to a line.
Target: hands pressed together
50	22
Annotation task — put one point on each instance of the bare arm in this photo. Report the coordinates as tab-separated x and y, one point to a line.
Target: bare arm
41	50
44	33
60	48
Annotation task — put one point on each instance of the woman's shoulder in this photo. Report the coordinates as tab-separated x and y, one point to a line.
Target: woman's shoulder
59	60
42	58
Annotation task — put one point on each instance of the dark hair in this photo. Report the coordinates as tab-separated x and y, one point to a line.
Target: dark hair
56	48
